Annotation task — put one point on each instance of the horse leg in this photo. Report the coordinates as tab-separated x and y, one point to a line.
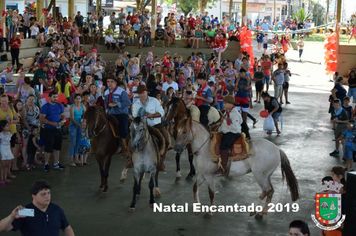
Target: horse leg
192	169
157	192
211	188
106	173
265	183
100	161
139	186
151	185
135	190
200	180
178	175
123	175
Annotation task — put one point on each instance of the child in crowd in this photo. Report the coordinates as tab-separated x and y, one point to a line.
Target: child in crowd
230	88
32	147
348	136
158	95
131	37
168	96
265	43
94	49
7	73
5	152
134	85
84	146
287	76
181	81
348	108
340	119
20	80
188	95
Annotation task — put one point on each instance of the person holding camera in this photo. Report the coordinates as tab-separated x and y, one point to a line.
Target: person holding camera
40	217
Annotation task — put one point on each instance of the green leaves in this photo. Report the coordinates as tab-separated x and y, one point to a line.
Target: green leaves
300	14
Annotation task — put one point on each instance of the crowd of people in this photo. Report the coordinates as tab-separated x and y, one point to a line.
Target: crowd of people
30	125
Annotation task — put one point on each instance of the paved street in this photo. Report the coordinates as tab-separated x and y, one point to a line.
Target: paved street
306	139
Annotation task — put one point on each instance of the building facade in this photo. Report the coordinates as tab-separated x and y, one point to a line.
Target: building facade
256	9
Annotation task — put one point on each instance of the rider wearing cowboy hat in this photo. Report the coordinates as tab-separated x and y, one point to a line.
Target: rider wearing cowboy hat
231	131
150	107
116	103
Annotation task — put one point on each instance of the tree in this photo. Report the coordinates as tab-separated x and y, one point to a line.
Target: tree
203	5
184	6
327	13
142	4
317	13
230	6
300	14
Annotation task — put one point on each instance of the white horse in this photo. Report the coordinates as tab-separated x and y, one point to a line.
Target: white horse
265	158
146	153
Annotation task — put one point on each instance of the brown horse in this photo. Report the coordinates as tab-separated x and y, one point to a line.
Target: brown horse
177	111
101	129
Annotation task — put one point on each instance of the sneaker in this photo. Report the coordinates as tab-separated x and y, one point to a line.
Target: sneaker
278	132
269	132
46	167
72	164
58	166
335	153
254	122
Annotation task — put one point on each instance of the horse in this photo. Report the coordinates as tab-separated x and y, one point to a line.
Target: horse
147	145
176	110
265	158
100	128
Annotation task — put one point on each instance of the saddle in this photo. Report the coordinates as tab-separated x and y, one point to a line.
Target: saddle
158	138
240	150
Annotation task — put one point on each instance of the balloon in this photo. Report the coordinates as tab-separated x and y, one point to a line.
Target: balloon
66	123
62	98
264	114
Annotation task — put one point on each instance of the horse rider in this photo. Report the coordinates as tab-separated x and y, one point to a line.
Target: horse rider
203	99
152	108
231	131
117	103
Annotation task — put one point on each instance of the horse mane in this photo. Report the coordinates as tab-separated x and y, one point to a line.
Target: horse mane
137	120
175	103
90	113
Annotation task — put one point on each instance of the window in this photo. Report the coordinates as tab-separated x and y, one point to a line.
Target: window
268	8
278	9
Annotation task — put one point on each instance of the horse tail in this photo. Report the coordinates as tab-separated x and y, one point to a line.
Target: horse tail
291	179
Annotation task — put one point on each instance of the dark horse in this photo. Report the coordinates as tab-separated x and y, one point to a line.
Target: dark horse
177	111
101	129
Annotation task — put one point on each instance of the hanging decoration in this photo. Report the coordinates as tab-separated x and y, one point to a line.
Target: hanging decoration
330	53
246	45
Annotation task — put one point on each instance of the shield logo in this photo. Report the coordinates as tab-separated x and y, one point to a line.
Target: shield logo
328	207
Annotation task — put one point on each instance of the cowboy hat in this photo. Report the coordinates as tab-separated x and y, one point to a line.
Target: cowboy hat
229	99
110	76
141	88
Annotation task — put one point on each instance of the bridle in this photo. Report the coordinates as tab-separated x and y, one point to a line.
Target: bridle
147	136
186	141
96	122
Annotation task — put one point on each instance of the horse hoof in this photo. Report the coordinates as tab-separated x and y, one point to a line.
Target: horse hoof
189	177
158	195
122	181
137	197
151	205
259	216
178	179
132	209
252	213
208	215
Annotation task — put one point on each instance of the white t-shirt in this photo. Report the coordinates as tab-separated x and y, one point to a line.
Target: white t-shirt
35	31
109	39
99	73
174	85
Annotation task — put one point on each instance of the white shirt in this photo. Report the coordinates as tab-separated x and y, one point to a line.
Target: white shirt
99	73
151	106
236	121
166	85
52	55
35	30
109	39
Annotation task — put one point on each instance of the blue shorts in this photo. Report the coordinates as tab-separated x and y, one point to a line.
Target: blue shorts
92	26
276	115
266	79
348	154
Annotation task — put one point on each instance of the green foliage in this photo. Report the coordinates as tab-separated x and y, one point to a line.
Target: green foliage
184	6
318	16
300	14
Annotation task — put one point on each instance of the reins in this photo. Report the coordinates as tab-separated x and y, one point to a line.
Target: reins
185	141
102	129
